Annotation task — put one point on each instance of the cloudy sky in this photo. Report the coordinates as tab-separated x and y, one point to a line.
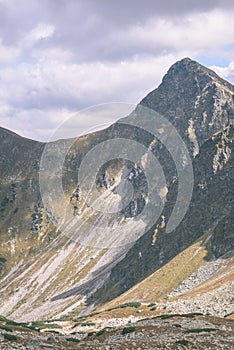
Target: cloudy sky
60	56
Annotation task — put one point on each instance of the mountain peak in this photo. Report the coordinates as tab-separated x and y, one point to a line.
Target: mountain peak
187	68
195	100
188	63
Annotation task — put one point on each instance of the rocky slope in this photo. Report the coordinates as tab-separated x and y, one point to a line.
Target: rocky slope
45	274
212	200
153	332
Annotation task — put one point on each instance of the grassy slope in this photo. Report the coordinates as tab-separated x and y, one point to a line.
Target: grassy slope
163	281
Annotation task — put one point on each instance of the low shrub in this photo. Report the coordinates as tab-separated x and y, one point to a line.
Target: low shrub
135	304
128	330
90	334
177	325
10	337
151	304
87	324
182	342
200	330
74	340
102	331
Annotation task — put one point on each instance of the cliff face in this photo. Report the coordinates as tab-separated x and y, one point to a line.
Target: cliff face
210	212
201	107
46	270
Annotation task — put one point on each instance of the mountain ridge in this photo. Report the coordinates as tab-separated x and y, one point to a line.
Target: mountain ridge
31	241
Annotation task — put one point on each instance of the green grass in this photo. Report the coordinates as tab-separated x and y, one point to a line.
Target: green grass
41	325
12	323
2	318
134	304
7	329
7	321
170	275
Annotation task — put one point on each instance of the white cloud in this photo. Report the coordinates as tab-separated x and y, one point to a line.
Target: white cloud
45	94
225	72
41	31
58	59
8	54
33	123
199	31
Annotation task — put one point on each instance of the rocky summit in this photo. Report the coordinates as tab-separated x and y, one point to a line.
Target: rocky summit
158	278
